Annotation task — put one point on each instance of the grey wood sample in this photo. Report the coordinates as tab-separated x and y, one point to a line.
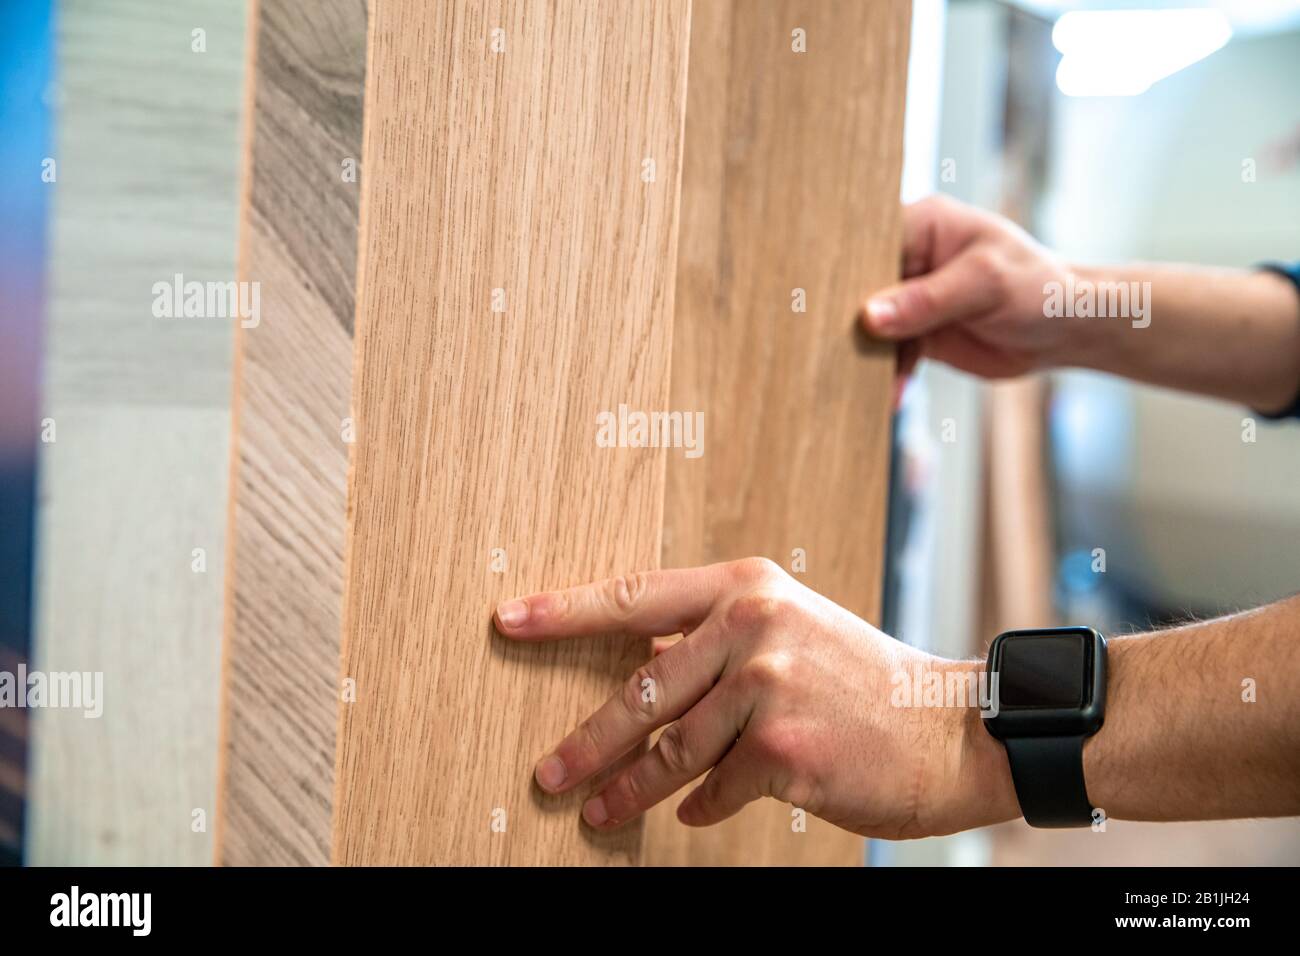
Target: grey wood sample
289	470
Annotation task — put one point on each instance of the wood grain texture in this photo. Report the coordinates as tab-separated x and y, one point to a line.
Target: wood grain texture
289	468
477	429
147	149
790	181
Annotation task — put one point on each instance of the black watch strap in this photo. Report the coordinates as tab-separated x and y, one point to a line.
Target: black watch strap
1048	773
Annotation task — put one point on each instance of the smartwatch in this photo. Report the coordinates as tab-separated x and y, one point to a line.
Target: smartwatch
1046	695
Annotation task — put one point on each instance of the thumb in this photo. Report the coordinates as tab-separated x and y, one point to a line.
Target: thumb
958	289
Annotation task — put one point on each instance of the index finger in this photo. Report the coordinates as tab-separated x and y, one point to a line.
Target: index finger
645	604
935	229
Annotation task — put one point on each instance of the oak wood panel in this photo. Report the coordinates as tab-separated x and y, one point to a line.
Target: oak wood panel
790	181
477	429
290	456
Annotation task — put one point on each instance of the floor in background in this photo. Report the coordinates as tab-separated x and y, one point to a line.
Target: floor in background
1214	843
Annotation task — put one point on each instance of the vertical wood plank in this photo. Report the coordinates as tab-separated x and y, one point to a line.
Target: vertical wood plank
790	182
519	171
147	155
293	385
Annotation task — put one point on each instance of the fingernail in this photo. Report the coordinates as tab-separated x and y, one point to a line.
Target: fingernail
551	773
512	613
881	312
594	811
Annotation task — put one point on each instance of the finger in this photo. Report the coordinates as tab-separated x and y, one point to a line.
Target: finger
954	346
935	229
956	290
730	785
920	229
646	604
661	644
659	692
684	750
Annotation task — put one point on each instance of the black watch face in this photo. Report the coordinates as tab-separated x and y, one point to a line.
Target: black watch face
1048	670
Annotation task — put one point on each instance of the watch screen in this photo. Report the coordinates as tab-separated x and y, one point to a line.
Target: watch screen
1042	671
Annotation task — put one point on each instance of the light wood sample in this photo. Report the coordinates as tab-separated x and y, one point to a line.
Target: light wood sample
289	467
790	182
519	171
147	147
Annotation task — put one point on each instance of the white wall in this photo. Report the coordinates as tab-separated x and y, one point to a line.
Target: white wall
1197	516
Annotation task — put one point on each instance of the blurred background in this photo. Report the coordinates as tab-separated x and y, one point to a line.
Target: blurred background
1064	498
121	158
1076	497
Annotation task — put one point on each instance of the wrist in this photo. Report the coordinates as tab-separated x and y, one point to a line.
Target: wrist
1084	342
971	785
1106	768
1279	309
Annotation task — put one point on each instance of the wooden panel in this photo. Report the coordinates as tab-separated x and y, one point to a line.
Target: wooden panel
791	180
477	429
289	467
148	161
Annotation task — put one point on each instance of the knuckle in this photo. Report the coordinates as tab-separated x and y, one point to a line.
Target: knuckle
918	299
675	749
628	792
990	268
757	609
637	702
982	258
626	591
768	672
779	745
755	570
590	740
558	605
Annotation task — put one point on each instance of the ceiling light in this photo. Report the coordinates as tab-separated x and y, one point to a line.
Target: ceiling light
1122	52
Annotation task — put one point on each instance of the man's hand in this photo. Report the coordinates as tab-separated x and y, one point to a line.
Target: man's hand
775	691
972	294
975	291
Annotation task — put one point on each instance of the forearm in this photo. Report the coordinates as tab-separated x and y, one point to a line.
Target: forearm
1202	722
1228	334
